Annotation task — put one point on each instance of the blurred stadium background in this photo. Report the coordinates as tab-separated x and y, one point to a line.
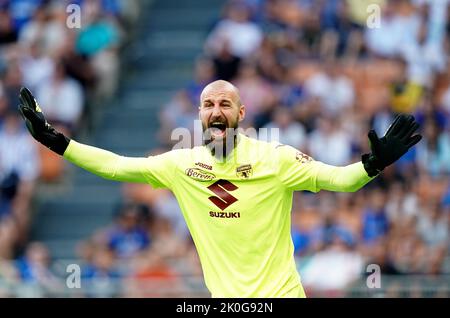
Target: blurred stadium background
133	72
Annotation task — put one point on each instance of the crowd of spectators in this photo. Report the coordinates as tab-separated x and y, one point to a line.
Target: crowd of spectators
67	53
315	70
323	75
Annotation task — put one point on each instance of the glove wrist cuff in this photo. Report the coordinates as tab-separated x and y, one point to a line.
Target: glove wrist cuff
60	145
371	165
55	141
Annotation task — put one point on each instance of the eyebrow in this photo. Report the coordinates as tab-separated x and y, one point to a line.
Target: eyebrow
221	101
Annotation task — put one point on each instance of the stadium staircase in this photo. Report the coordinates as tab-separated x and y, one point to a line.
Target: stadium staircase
158	62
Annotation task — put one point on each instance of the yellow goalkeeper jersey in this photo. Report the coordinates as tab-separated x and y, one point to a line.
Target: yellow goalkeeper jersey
237	210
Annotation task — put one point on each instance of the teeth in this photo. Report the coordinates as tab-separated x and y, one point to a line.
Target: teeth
219	124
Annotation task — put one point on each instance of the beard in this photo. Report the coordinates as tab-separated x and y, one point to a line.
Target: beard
220	138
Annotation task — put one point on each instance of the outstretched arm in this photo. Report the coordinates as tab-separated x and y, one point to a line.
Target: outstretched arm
350	178
297	171
106	164
98	161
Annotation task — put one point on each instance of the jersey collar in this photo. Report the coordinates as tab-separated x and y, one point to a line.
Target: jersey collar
234	155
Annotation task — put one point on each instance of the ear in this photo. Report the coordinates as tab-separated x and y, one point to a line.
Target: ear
242	113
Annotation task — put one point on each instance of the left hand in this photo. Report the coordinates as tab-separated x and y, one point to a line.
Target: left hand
393	145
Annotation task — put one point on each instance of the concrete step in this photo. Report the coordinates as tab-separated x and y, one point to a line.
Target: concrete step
92	193
72	222
116	137
62	249
183	17
175	39
176	4
156	86
78	208
185	55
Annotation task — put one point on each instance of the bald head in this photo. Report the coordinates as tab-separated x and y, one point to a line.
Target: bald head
220	109
223	88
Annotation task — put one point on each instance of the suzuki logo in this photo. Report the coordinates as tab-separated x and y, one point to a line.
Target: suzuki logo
223	199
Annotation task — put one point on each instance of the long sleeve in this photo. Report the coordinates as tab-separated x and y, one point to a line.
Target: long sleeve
298	172
155	170
343	179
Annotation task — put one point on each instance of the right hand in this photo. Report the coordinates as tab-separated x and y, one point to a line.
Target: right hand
38	126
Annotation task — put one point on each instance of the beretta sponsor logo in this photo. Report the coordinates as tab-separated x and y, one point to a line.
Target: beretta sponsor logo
199	174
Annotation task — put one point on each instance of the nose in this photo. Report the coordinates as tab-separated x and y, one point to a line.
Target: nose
216	110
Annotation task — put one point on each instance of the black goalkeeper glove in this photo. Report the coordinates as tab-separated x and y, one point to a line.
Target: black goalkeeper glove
395	143
39	128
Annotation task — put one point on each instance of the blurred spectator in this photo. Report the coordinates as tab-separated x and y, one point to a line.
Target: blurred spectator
48	28
34	267
445	100
22	11
401	203
256	93
334	90
375	222
77	66
226	64
4	104
9	232
423	58
99	40
36	67
128	237
12	82
167	208
98	34
152	276
167	242
434	151
236	30
8	33
290	132
17	176
329	143
101	276
433	227
332	269
34	31
380	255
203	74
400	25
406	93
180	112
61	99
8	278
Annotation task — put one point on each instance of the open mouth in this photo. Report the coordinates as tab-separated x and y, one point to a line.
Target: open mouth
218	129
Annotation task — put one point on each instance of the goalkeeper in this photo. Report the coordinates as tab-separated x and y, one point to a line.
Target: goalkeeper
235	192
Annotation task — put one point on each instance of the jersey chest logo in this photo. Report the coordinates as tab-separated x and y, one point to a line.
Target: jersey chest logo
244	171
223	199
